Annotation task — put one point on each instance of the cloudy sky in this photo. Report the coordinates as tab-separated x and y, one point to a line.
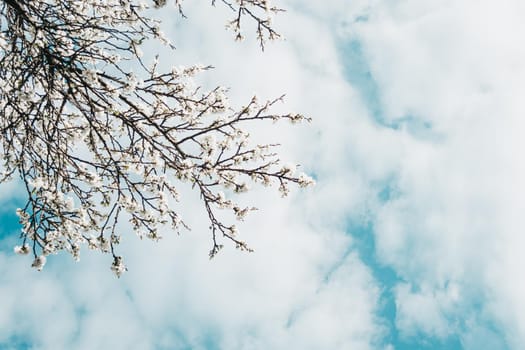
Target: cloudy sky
413	237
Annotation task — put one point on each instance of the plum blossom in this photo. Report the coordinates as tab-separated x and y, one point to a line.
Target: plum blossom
118	266
101	137
39	262
22	250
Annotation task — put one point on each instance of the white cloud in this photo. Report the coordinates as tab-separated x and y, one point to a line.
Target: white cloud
451	227
426	311
456	213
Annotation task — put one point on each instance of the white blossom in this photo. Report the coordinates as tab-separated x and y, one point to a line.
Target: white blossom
38	183
39	262
100	137
305	180
118	266
288	169
93	243
240	213
22	250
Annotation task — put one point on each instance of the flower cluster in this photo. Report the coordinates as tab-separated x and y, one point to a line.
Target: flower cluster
259	10
96	141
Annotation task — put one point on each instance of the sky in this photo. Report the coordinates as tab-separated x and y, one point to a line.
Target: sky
411	239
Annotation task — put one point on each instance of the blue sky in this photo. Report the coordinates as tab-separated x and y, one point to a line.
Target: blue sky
411	239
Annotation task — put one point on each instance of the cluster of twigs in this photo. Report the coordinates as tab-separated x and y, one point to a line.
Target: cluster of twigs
97	135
